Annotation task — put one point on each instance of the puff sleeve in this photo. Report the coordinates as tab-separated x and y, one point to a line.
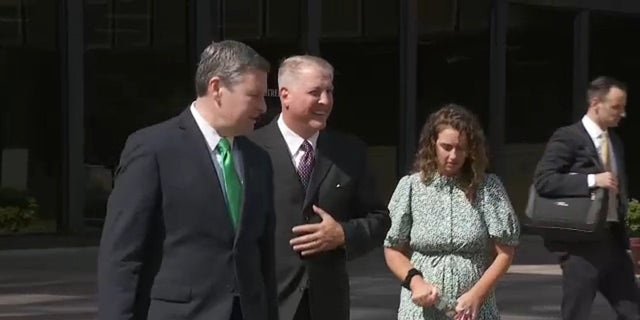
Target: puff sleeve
499	216
400	213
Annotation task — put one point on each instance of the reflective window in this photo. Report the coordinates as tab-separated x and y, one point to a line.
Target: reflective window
136	75
539	72
31	114
341	18
453	57
614	54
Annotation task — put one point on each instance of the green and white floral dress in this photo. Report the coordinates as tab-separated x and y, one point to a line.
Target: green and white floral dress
450	238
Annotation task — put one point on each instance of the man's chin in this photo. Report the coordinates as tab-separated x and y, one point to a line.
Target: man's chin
248	129
317	124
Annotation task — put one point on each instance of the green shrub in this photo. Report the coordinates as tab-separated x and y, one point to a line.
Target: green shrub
17	210
633	218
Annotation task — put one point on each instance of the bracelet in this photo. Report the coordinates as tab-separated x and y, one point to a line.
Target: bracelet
410	274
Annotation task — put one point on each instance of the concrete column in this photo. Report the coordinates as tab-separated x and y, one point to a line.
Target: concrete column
580	63
408	49
497	94
72	74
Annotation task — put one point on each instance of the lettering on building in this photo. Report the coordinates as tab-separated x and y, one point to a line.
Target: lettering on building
272	93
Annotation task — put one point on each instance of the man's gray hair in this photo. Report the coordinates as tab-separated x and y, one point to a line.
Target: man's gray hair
291	66
228	60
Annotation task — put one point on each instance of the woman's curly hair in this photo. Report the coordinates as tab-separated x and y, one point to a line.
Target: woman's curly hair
462	120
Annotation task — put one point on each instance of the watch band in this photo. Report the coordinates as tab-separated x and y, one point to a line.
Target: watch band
410	274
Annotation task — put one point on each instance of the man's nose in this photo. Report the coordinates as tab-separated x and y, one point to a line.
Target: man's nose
325	98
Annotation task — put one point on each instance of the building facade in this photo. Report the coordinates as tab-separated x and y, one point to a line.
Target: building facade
78	76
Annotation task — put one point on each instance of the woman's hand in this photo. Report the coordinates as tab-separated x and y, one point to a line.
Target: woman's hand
468	306
423	294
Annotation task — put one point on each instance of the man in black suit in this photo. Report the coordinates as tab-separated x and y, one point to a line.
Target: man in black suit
327	207
190	224
578	158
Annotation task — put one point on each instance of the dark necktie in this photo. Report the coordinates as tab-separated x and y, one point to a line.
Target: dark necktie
306	163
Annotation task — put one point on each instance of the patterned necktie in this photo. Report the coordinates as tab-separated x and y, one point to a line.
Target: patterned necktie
605	156
232	185
604	151
306	163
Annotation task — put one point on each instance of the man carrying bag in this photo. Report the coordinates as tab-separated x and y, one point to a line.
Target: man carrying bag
583	161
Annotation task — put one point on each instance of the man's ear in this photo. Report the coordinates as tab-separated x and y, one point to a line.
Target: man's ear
283	92
284	97
214	88
593	102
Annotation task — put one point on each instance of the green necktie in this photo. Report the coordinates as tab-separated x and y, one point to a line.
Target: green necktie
232	186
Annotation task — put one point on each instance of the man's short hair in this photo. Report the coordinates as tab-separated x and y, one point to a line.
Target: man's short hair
600	86
228	60
292	65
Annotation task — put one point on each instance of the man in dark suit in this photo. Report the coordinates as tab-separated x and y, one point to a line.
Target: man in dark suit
327	207
190	224
578	158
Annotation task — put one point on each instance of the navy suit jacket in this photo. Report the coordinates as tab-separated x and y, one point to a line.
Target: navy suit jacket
570	156
168	248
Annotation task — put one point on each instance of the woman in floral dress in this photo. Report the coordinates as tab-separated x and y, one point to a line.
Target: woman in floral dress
453	230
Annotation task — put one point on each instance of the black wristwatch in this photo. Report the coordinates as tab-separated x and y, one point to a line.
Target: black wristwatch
410	274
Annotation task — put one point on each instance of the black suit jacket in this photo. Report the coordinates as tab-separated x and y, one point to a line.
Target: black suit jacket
570	156
342	185
168	248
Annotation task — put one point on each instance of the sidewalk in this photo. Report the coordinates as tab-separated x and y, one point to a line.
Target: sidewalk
59	284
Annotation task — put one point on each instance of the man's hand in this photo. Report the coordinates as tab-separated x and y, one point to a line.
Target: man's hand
607	180
318	237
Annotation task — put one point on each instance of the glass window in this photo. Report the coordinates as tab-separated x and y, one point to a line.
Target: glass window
539	72
30	116
142	79
341	18
280	40
453	63
614	54
366	91
381	18
117	23
283	19
436	16
242	19
12	23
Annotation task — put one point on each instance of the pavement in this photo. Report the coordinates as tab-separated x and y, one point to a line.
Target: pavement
59	284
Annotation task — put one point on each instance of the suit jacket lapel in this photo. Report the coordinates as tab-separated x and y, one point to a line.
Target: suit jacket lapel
322	165
616	143
247	187
198	146
281	155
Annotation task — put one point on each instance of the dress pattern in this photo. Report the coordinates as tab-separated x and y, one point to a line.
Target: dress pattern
450	238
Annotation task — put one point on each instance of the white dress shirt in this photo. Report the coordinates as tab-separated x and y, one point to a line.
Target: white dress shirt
595	132
212	138
294	141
